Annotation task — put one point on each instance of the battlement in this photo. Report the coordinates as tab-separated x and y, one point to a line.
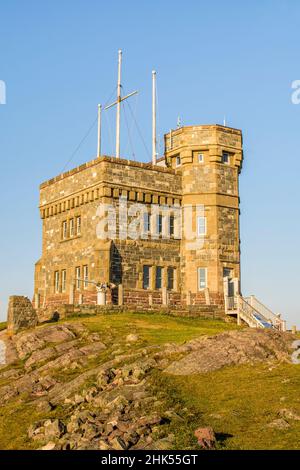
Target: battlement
211	141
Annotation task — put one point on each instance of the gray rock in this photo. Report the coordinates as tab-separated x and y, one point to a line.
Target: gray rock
132	338
279	424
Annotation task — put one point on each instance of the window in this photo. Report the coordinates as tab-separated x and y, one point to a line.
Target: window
225	158
65	229
227	272
146	222
171	225
77	277
78	225
56	281
71	227
200	158
170	275
201	226
178	161
158	277
146	277
159	224
85	276
63	280
202	278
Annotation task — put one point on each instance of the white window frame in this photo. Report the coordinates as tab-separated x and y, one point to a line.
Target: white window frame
72	228
85	276
77	277
78	225
159	224
146	222
64	280
149	276
171	269
177	159
200	160
200	271
65	229
201	234
56	282
161	269
172	226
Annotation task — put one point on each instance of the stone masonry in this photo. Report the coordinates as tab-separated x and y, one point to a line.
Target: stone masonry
201	165
21	314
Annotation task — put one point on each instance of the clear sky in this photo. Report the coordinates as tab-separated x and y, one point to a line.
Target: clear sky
213	58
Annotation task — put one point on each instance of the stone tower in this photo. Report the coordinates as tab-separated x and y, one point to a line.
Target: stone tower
209	159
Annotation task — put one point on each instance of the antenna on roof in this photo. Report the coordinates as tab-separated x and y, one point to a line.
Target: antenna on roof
224	121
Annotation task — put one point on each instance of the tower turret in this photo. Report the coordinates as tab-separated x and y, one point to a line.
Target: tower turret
209	159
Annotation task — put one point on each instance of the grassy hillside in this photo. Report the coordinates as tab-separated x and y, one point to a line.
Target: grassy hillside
238	402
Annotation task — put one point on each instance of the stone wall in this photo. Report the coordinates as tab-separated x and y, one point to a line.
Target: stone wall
20	315
79	192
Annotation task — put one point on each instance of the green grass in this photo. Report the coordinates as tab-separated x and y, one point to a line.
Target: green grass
156	328
2	325
239	402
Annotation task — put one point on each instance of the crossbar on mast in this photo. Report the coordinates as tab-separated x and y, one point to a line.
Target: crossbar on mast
118	103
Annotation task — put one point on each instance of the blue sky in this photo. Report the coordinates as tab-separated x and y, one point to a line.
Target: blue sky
58	60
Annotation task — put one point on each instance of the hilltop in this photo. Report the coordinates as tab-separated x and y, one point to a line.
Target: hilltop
148	381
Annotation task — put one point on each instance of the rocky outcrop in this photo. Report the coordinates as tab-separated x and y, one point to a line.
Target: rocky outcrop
94	393
235	347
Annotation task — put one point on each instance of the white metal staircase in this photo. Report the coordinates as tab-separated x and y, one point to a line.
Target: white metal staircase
254	313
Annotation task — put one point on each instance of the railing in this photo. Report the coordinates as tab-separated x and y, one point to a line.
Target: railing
246	312
252	311
276	321
231	303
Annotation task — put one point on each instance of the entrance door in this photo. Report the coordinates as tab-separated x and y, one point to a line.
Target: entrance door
227	274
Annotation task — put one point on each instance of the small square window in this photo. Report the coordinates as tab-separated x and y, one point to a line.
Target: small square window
225	158
200	158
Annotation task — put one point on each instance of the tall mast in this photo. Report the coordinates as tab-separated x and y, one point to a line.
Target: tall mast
118	105
99	131
154	151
